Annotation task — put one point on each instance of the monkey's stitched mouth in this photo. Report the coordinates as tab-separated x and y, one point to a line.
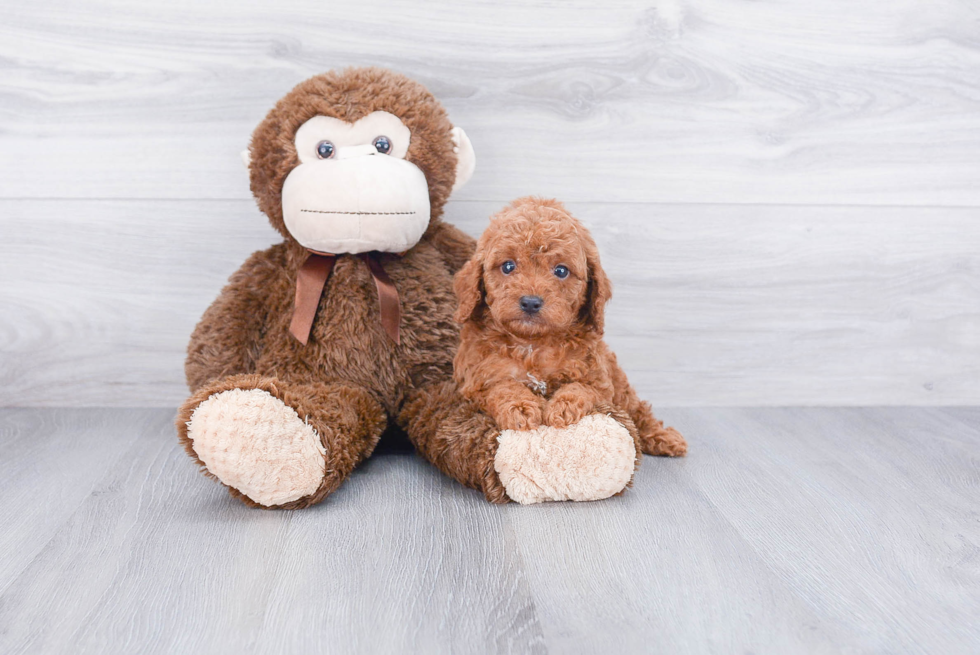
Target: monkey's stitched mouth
322	211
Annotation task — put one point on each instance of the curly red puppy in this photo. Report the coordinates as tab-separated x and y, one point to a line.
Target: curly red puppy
531	351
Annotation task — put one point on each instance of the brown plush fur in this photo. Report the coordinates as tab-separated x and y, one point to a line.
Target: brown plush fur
351	381
506	352
348	419
350	95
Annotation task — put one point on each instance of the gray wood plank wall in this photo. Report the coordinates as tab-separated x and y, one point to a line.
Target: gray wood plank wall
787	195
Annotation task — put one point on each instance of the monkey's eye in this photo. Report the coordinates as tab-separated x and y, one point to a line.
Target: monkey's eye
561	271
383	144
508	267
324	150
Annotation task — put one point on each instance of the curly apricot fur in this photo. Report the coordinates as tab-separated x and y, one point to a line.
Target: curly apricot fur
510	362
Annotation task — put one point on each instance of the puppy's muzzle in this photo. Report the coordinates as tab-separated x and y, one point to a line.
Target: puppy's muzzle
531	304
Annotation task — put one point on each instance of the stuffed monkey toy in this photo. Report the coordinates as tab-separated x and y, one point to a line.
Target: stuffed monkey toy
319	343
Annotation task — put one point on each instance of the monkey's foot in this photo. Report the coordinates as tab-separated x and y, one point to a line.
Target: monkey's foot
255	443
589	460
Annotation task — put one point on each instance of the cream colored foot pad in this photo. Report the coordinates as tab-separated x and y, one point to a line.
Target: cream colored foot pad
255	443
590	460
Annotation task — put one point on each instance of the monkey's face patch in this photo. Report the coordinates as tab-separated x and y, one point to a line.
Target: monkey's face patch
353	190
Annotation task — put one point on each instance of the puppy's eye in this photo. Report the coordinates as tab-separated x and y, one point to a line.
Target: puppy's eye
561	271
382	144
324	150
507	267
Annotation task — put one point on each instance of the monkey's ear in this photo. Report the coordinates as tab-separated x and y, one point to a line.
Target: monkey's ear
465	157
468	285
246	158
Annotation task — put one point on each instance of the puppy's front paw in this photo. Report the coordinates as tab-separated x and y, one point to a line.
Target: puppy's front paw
566	409
520	415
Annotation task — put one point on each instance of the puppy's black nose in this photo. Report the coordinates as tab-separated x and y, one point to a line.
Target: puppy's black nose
531	304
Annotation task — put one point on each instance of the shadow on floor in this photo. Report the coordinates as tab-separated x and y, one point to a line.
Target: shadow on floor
394	441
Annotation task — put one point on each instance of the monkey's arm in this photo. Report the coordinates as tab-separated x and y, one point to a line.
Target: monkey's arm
228	338
464	443
455	436
455	245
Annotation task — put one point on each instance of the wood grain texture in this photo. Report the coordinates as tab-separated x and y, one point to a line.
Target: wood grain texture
46	446
638	101
785	530
860	512
713	304
156	559
723	153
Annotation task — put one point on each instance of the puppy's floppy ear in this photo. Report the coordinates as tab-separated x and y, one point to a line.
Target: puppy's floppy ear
598	292
468	285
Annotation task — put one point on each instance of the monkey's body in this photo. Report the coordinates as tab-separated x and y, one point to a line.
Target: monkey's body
282	423
350	381
347	343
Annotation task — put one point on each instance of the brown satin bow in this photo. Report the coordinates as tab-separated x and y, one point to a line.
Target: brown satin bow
313	276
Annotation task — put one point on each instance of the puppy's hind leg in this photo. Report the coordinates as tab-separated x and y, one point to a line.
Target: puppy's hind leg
655	439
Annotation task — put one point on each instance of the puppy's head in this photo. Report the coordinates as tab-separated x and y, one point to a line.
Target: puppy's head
535	272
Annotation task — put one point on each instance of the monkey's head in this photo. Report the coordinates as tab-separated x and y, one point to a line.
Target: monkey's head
357	160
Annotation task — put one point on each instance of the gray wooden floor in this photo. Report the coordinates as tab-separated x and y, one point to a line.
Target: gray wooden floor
786	530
